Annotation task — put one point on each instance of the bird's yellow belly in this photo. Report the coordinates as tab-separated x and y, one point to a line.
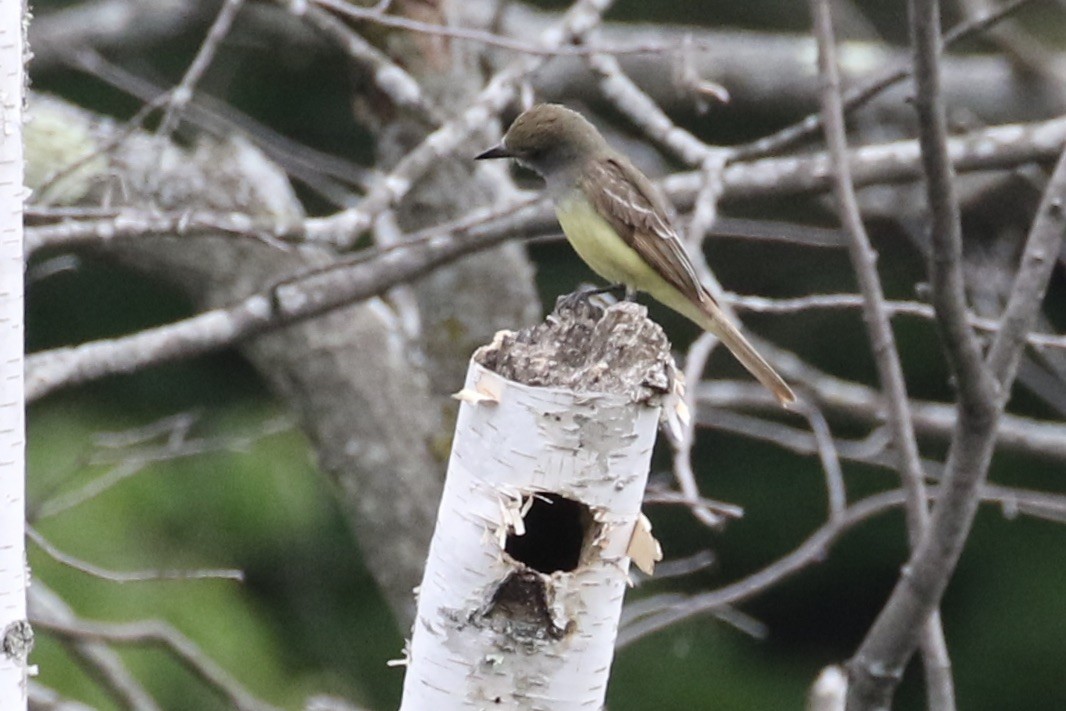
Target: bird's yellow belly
599	245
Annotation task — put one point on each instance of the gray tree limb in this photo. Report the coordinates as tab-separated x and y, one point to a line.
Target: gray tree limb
983	386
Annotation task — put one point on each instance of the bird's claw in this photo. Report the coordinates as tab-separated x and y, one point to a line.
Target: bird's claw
582	298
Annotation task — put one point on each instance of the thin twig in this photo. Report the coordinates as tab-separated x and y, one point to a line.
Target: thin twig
173	428
860	403
657	495
945	269
859	95
872	449
98	659
181	95
681	567
627	97
161	634
705	209
1030	283
129	464
828	455
116	576
396	83
695	361
765	305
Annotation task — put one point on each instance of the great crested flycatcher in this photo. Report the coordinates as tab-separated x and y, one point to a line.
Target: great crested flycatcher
619	223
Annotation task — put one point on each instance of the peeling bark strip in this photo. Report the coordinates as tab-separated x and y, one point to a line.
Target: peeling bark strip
519	605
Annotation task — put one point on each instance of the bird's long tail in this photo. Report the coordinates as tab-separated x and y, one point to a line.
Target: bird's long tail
702	309
707	314
739	346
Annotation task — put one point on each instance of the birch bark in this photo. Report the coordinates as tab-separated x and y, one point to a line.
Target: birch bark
17	637
527	570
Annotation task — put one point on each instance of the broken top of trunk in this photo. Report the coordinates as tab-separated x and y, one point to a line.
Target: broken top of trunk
541	514
585	348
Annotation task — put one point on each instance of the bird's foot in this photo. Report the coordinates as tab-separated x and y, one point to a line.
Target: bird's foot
582	297
581	300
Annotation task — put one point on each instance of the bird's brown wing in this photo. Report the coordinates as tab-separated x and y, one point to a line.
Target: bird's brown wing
640	216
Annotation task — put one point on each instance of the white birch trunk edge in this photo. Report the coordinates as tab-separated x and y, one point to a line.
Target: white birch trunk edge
16	637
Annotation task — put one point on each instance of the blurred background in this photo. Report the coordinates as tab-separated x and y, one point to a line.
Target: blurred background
200	464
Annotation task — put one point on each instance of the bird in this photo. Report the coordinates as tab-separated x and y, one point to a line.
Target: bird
619	223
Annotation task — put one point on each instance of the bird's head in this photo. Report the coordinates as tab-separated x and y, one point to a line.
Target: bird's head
549	139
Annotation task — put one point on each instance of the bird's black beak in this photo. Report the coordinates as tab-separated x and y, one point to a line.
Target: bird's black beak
497	152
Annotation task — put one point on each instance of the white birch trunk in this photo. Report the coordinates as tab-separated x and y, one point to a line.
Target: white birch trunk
553	477
17	636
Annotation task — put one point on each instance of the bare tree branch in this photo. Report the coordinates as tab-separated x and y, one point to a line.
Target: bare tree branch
1030	283
940	688
945	269
695	360
825	446
761	304
899	161
864	262
117	576
401	88
879	662
137	223
42	698
161	634
642	110
100	660
183	92
839	398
